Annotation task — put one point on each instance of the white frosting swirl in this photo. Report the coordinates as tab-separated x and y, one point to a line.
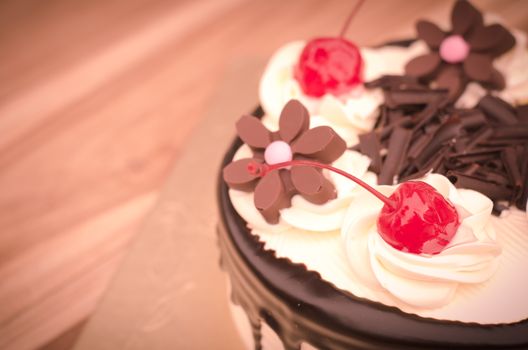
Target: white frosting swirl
302	214
351	113
420	280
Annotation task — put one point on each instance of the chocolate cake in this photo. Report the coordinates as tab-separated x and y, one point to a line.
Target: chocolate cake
316	261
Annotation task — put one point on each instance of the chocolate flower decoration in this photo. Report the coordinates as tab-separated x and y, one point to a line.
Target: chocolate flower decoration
462	55
293	140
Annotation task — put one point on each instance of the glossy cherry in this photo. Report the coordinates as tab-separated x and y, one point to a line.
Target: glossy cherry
416	218
420	221
329	65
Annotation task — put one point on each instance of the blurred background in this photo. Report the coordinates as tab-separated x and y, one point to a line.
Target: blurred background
97	102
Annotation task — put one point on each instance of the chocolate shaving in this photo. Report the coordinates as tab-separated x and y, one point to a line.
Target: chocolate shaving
510	161
418	131
497	109
395	82
493	191
472	118
398	144
519	131
449	130
522	113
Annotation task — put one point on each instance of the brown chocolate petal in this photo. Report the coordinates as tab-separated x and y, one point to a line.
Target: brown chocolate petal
321	143
465	17
423	66
450	78
398	144
252	132
505	45
294	120
312	185
270	196
496	81
490	37
478	66
430	33
237	176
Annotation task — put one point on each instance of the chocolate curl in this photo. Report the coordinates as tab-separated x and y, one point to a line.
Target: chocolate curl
498	110
460	144
418	145
423	117
493	191
449	130
472	119
397	98
383	118
498	143
522	113
432	165
499	178
480	155
480	136
523	193
388	82
398	144
519	131
402	122
370	146
471	169
510	163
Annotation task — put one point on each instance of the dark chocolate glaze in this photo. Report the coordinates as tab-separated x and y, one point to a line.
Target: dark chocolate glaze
301	307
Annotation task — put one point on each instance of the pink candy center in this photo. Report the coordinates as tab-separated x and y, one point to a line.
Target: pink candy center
454	49
278	152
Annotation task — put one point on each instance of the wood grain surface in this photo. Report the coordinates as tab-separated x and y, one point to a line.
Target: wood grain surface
97	102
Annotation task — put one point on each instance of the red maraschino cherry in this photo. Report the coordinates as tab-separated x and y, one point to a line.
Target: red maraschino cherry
330	65
420	221
414	219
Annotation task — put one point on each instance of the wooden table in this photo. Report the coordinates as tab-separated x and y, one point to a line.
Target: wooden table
97	101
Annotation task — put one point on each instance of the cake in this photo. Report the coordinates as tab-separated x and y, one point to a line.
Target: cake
316	261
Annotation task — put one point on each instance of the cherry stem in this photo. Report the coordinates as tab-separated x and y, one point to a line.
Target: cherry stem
350	17
263	169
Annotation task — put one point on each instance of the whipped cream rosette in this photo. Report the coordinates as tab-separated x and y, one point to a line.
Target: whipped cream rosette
423	280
